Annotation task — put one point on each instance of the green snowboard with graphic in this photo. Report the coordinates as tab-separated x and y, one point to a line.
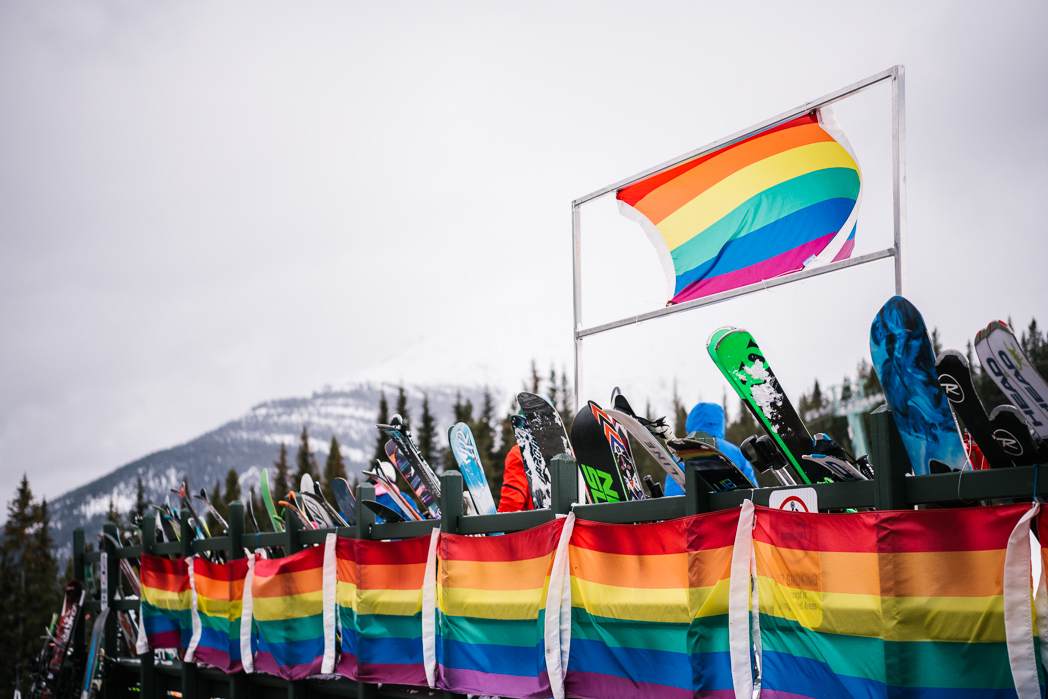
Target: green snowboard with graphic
740	359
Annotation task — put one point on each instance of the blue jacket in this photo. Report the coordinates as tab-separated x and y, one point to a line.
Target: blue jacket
709	418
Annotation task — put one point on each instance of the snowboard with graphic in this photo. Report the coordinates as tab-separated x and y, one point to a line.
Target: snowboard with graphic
47	684
604	456
546	425
650	443
905	364
464	449
742	363
1013	434
955	379
534	462
1003	357
699	451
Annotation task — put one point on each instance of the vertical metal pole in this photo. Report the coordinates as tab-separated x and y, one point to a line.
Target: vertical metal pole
365	517
696	492
147	668
899	175
576	283
564	489
890	461
450	501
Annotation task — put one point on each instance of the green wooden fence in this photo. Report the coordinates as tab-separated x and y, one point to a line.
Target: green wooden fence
892	489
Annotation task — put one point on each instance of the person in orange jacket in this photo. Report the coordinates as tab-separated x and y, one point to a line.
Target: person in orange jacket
516	492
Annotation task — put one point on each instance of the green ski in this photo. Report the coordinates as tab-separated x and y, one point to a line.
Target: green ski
278	522
737	355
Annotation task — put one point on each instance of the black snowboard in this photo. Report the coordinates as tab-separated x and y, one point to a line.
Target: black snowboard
955	378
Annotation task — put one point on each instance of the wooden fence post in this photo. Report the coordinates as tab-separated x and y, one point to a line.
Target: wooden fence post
111	569
889	459
238	684
147	665
450	513
564	486
190	677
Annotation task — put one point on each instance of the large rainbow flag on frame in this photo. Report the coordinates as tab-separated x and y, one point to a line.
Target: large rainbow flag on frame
756	209
884	604
492	593
165	610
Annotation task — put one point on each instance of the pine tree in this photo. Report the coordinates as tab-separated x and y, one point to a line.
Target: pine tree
141	504
280	484
113	514
213	527
232	492
427	432
29	590
680	414
936	342
535	381
567	397
554	391
334	468
305	460
495	468
402	406
483	429
383	419
251	506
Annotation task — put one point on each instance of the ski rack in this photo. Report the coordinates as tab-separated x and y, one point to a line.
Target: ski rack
891	490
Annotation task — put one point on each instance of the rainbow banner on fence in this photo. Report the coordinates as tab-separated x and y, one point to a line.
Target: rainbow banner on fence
898	604
388	612
629	611
217	614
492	593
756	209
166	598
294	613
346	575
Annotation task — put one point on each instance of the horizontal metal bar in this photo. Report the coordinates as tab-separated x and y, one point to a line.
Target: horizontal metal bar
264	539
92	556
741	291
823	101
216	543
403	530
129	551
991	484
503	522
125	605
164	548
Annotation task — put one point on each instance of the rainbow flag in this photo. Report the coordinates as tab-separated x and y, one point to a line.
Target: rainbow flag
649	608
347	575
166	621
294	611
759	208
389	612
218	596
884	604
492	593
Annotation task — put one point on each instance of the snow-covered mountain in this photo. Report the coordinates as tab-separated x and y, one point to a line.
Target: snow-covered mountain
251	443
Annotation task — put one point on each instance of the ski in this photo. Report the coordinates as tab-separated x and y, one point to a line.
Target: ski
384	513
905	364
380	478
68	619
397	431
464	449
698	450
347	503
93	670
955	379
267	498
1003	356
336	516
742	363
764	455
213	510
414	481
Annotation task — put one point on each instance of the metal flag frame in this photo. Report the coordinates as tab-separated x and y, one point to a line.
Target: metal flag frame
897	76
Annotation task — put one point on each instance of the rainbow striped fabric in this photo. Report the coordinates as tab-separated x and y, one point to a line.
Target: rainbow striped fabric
649	608
346	575
884	604
753	210
388	612
491	593
217	611
290	609
166	598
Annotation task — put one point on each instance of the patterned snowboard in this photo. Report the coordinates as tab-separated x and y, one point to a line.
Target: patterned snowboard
905	364
604	456
1002	355
712	464
534	463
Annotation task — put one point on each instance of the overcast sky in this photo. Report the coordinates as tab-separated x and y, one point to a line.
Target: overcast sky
207	205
